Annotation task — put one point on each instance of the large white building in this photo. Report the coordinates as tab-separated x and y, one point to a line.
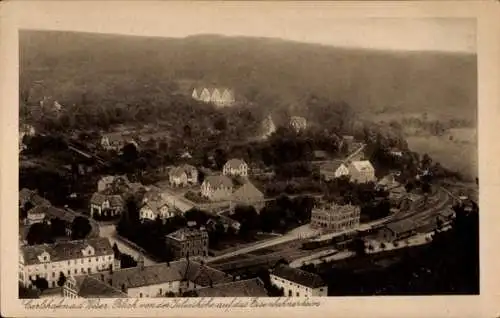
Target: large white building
149	281
298	283
69	258
235	167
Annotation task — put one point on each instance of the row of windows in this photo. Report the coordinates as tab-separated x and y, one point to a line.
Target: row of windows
82	260
55	274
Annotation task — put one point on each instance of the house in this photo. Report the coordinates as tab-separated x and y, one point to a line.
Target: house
116	141
248	194
188	243
154	208
361	171
298	123
69	258
106	205
217	188
183	175
36	215
395	152
158	280
333	170
119	183
235	167
334	217
221	97
253	287
298	283
398	230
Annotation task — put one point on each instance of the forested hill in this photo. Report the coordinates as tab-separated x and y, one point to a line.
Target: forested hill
270	72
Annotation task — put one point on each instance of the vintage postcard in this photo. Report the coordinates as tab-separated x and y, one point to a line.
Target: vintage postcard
249	159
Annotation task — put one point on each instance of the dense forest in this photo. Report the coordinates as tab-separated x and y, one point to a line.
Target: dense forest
85	69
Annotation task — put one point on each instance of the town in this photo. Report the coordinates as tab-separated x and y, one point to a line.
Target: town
214	199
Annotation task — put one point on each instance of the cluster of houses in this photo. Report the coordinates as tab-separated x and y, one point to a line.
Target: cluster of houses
221	97
40	210
89	269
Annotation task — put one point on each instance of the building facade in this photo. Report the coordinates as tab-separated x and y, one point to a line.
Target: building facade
235	167
298	283
188	242
333	217
69	258
106	205
298	123
160	280
182	176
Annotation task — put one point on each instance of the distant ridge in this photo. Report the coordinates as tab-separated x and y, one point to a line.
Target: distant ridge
271	71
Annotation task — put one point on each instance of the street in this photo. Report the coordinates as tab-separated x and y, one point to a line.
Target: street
109	231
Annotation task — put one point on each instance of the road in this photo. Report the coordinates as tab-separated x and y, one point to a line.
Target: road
293	235
109	231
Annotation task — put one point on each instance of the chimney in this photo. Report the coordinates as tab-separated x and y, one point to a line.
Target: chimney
140	262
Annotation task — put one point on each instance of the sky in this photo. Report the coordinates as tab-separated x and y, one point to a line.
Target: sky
317	24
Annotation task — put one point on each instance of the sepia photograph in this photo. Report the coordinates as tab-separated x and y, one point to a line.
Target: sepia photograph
292	158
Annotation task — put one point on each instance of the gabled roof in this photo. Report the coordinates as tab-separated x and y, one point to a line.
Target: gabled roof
362	165
177	172
62	251
116	201
218	181
234	163
186	233
98	198
331	165
244	288
181	270
91	287
248	192
298	276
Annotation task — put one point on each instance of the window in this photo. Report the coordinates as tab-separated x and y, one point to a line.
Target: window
83	271
53	274
161	291
290	293
140	295
321	289
90	259
76	271
298	295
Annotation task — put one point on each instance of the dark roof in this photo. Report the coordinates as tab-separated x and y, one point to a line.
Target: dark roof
248	192
90	287
62	251
161	273
298	276
52	212
243	288
218	181
401	226
116	200
25	196
98	198
234	163
331	165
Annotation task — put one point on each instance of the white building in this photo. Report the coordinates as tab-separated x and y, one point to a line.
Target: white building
69	258
155	208
298	123
235	167
152	281
361	171
298	283
221	97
